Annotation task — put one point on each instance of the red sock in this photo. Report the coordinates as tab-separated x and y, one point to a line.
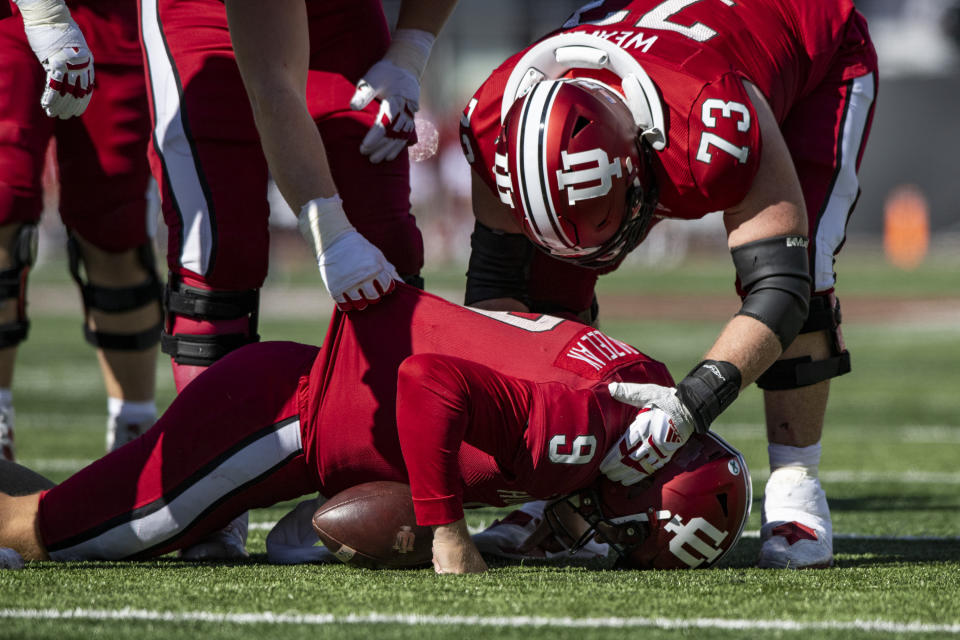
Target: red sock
183	374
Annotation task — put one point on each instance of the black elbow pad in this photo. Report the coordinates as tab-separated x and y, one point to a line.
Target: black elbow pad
775	274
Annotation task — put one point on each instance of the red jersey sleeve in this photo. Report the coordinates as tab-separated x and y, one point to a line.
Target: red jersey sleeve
442	402
723	144
480	123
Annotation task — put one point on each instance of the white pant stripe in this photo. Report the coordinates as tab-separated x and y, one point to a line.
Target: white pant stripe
832	227
173	147
154	528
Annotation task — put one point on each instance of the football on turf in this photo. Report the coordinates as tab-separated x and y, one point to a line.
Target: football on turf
372	525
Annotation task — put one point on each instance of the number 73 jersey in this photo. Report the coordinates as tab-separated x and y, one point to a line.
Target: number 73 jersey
698	53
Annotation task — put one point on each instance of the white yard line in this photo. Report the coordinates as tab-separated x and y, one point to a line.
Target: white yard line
415	620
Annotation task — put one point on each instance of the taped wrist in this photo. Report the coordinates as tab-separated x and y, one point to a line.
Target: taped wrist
321	221
410	50
46	13
775	274
708	389
499	265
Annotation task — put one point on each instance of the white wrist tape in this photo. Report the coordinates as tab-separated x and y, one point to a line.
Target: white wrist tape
321	221
410	50
44	13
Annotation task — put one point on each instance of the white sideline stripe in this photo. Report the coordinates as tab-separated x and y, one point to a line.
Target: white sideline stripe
867	536
413	620
69	465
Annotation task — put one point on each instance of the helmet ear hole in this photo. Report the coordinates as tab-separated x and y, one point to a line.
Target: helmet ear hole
579	126
722	499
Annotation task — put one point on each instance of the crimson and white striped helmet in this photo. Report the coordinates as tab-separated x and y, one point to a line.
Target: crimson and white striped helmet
572	168
687	515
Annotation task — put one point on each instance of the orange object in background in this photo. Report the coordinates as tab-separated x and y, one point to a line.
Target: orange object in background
906	227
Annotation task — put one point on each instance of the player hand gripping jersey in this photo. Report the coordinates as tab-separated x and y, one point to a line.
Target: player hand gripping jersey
640	110
469	409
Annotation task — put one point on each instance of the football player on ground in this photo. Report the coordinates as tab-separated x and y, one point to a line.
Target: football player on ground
640	110
468	407
103	177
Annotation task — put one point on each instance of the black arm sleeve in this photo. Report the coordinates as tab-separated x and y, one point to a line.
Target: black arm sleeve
499	265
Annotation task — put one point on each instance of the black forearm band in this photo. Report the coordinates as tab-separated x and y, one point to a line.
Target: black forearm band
499	265
775	274
710	388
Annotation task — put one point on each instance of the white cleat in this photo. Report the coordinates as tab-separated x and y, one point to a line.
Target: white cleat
796	531
522	535
120	432
6	434
230	543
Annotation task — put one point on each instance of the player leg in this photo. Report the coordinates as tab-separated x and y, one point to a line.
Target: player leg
206	157
376	197
204	461
103	184
826	133
24	135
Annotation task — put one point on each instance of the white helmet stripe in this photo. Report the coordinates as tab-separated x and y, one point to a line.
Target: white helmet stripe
532	166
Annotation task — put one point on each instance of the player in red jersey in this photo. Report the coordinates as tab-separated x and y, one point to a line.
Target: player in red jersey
641	110
305	61
317	66
468	407
103	176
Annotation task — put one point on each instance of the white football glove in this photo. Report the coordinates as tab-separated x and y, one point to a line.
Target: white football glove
355	272
661	427
62	50
395	80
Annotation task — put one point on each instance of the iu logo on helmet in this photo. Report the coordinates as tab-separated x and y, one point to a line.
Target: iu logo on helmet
692	542
597	167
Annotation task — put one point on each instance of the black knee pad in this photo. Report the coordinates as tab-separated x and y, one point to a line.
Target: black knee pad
794	373
117	300
202	304
13	284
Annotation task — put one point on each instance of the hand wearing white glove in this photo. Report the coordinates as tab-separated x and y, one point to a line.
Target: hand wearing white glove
62	50
354	271
395	80
662	426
